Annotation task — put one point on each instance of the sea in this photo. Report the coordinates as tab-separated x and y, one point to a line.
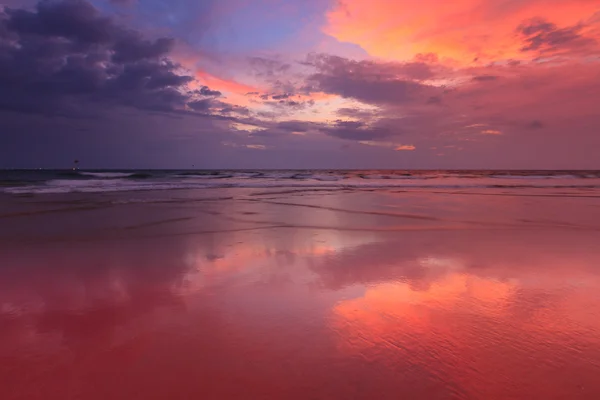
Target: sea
97	181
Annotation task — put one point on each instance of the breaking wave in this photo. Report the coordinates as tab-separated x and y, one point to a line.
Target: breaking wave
42	182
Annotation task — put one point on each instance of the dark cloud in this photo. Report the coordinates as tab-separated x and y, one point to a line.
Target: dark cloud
132	47
541	35
415	70
342	129
485	78
277	75
284	106
349	124
356	113
233	109
296	126
206	91
201	105
209	106
357	130
335	65
70	19
536	124
535	26
64	57
369	81
434	100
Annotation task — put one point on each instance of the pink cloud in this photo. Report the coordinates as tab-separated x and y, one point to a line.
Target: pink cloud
405	148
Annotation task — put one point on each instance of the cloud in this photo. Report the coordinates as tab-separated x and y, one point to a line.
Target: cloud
448	79
232	108
464	31
485	78
283	105
268	67
342	129
335	65
281	96
205	91
390	145
370	81
201	105
256	146
65	57
357	131
434	100
505	100
356	113
543	36
132	47
296	126
77	20
536	124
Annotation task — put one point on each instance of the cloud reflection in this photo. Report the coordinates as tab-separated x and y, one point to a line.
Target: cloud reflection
304	312
476	317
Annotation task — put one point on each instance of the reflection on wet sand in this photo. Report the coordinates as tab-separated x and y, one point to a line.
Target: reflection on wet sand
506	318
483	338
487	313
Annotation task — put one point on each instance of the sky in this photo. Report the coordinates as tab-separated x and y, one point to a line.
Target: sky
403	84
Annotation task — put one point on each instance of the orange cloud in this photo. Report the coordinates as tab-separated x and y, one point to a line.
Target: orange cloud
461	30
223	85
491	132
395	146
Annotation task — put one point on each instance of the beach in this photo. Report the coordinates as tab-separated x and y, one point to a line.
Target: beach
446	287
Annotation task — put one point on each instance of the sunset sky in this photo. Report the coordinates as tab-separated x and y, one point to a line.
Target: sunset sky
300	84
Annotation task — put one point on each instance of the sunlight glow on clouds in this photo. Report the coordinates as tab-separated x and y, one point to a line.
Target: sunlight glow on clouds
490	83
463	30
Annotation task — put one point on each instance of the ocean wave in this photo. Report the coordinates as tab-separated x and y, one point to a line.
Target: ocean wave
396	176
205	176
140	175
549	176
108	175
124	185
39	182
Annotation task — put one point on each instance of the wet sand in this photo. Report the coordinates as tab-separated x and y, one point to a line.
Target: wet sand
301	294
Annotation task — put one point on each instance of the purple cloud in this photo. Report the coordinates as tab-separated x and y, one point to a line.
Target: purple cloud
370	81
541	35
65	57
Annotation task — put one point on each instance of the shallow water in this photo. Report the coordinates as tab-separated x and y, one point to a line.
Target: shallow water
238	294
